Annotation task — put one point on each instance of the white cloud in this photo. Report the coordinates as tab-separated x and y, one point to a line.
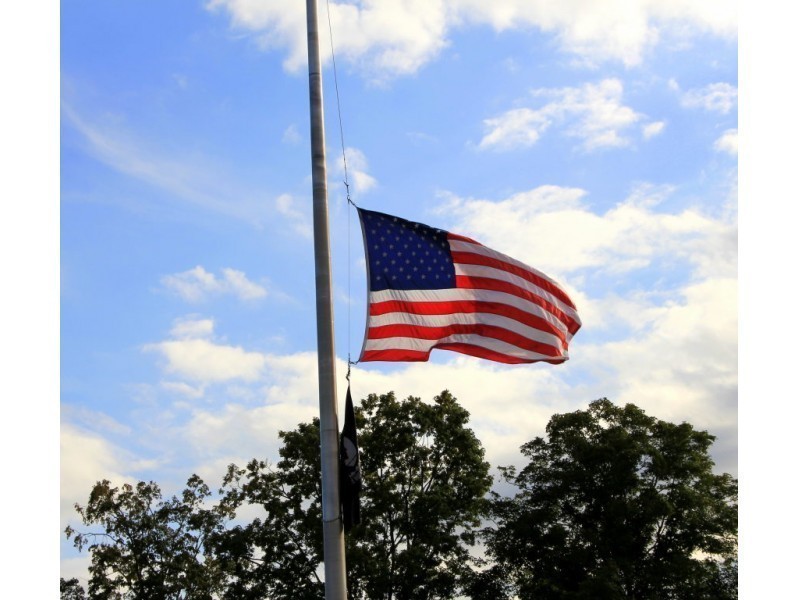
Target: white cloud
192	327
553	229
386	39
516	128
204	361
716	97
620	30
278	25
236	282
276	393
94	420
728	142
85	459
382	38
78	568
300	220
674	353
653	129
593	113
240	433
292	136
192	285
184	389
357	165
197	284
681	364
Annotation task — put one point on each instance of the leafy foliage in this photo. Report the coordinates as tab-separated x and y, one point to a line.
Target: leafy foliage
617	504
277	554
71	589
150	547
425	483
614	504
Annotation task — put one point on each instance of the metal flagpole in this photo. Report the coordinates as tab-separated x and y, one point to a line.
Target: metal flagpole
333	534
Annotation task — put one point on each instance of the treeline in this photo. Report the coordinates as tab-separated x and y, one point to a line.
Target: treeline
611	504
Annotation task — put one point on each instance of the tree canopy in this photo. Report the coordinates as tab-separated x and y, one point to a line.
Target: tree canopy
617	504
149	547
611	504
425	482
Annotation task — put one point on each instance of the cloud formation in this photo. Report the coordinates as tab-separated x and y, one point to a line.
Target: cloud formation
653	129
204	361
299	220
628	236
720	98
199	181
728	142
592	113
86	458
674	352
385	39
197	284
357	166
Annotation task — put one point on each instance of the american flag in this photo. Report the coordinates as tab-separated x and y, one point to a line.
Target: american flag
429	288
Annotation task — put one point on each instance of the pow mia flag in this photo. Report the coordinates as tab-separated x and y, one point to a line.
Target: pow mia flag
349	468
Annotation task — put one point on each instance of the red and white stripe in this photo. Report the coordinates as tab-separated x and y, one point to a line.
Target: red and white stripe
500	309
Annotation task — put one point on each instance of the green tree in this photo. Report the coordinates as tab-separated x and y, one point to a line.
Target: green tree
71	589
424	482
617	504
278	553
149	547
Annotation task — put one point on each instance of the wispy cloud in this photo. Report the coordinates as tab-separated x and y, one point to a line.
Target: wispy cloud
720	98
593	113
197	284
300	220
291	135
192	327
728	142
357	167
199	181
653	129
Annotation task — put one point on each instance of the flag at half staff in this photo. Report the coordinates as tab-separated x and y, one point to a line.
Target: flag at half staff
429	288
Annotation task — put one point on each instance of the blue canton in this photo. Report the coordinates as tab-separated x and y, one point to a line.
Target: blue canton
403	255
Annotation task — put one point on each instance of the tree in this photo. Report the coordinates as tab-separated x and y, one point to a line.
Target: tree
617	504
149	547
424	482
424	487
71	589
277	554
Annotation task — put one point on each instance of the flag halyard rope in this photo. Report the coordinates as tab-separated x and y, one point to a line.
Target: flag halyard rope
347	189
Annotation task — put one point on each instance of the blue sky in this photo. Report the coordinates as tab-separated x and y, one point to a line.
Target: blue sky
597	142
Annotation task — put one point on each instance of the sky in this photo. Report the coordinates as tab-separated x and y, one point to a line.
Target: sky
597	142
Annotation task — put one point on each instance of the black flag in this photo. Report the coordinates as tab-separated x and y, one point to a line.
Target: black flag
349	468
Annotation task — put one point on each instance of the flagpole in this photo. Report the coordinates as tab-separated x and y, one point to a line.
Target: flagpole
333	535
